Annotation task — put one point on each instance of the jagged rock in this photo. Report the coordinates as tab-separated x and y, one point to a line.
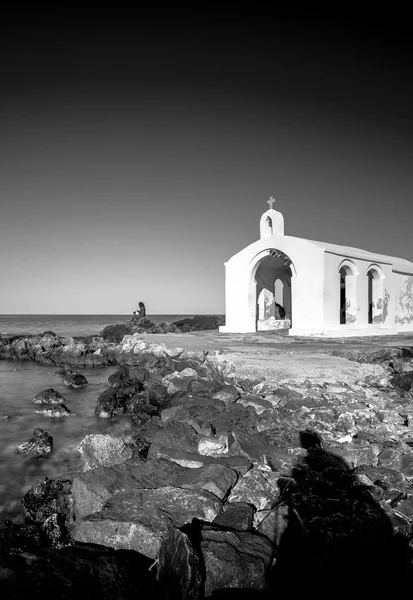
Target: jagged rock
236	515
39	444
49	504
179	381
49	396
49	341
213	446
111	403
200	323
217	479
255	489
75	380
228	393
139	519
403	381
180	569
93	488
54	410
273	523
232	559
177	436
103	450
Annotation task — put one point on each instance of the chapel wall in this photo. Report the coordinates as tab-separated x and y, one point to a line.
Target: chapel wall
358	309
403	301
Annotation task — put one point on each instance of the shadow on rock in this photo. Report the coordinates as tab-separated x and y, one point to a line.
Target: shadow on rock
336	535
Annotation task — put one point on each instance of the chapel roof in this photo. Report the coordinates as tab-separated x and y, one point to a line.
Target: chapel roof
398	264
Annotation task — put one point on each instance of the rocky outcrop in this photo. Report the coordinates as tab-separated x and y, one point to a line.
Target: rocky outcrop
115	333
39	444
200	323
222	476
75	380
49	397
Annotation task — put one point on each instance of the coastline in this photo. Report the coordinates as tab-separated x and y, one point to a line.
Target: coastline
220	427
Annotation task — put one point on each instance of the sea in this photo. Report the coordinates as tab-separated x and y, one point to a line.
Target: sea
20	381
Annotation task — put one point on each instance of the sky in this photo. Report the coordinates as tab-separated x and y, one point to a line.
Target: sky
137	152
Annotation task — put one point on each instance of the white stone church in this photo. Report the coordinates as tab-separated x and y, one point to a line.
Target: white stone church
315	288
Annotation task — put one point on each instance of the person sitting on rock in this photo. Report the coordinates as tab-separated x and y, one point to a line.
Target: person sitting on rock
280	309
141	311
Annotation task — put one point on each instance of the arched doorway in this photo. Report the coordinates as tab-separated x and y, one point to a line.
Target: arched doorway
374	297
273	292
347	295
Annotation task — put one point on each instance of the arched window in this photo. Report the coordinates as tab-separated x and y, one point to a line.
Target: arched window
268	222
348	299
374	297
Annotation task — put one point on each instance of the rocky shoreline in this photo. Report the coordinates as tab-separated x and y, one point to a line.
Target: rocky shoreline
227	484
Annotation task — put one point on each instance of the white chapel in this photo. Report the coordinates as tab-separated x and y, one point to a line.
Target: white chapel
315	288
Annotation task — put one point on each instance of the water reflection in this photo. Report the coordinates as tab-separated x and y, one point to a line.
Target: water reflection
19	383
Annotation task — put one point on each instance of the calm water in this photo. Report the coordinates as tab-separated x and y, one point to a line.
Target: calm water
21	381
70	325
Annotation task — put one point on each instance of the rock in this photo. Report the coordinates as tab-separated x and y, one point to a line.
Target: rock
114	333
139	519
49	396
254	489
215	446
237	515
179	381
39	444
217	479
403	382
228	393
75	380
103	450
176	436
274	523
200	323
49	504
180	569
232	559
93	488
111	403
56	410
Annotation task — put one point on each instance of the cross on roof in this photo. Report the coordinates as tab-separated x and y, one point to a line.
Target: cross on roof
271	201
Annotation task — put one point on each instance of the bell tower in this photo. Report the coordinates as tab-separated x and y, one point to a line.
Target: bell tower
272	221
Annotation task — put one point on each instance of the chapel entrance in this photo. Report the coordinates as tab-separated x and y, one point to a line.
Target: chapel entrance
273	292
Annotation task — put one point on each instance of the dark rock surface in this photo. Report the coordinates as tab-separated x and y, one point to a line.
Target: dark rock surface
49	505
49	397
200	323
39	444
75	380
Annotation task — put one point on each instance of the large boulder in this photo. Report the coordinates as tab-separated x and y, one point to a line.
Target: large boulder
205	555
140	519
93	488
103	450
